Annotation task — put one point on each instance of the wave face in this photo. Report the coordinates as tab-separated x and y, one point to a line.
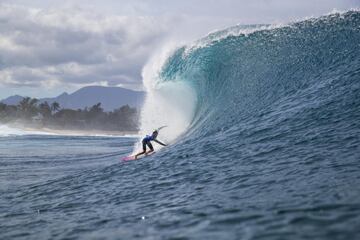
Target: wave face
265	130
283	87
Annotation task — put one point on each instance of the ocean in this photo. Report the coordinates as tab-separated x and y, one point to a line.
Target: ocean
263	126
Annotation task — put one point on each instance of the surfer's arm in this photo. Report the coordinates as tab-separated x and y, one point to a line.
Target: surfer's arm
159	142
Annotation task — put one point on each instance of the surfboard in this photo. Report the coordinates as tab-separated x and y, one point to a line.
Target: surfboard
161	127
132	157
128	158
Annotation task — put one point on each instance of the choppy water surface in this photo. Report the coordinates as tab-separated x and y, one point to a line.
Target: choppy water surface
271	152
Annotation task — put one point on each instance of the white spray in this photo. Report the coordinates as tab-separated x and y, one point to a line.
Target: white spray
170	103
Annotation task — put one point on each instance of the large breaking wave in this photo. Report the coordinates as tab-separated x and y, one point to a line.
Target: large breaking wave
249	83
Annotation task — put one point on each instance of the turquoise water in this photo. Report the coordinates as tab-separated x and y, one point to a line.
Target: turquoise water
272	151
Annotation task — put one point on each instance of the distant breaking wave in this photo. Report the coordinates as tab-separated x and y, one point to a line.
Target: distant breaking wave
6	131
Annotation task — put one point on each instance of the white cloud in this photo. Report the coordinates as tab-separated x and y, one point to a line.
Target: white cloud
74	46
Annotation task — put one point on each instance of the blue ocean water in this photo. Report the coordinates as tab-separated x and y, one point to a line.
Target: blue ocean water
272	151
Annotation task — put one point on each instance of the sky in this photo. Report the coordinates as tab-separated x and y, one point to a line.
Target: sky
49	47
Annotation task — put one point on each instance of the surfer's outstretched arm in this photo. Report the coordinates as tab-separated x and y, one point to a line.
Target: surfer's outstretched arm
160	142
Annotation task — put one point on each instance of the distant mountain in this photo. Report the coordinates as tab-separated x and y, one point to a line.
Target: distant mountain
110	98
12	100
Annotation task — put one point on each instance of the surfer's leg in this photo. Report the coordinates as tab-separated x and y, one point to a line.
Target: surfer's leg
144	150
150	146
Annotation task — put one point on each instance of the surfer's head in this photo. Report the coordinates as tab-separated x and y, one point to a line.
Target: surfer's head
155	133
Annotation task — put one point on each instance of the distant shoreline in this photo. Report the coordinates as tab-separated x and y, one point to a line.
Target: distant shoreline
86	132
75	132
30	116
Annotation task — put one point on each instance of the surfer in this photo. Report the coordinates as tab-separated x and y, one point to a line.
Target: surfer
147	142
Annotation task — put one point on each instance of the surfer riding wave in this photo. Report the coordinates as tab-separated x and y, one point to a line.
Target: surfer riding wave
147	142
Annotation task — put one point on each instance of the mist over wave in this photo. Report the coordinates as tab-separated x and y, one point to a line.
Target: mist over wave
11	131
171	104
21	130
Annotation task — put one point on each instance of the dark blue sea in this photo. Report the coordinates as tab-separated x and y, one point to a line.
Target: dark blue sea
271	149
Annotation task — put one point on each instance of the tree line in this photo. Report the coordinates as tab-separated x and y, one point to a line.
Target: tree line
42	114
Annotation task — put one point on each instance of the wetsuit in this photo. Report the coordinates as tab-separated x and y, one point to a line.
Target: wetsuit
147	141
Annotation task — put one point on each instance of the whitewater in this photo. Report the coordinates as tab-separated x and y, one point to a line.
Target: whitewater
264	132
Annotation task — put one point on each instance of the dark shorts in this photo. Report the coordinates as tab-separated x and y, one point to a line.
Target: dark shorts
148	143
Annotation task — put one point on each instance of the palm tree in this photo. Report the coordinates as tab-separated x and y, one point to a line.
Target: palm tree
95	113
44	109
2	106
55	106
24	104
27	107
96	109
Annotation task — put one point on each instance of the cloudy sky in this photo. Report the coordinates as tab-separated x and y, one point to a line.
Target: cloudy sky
48	47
